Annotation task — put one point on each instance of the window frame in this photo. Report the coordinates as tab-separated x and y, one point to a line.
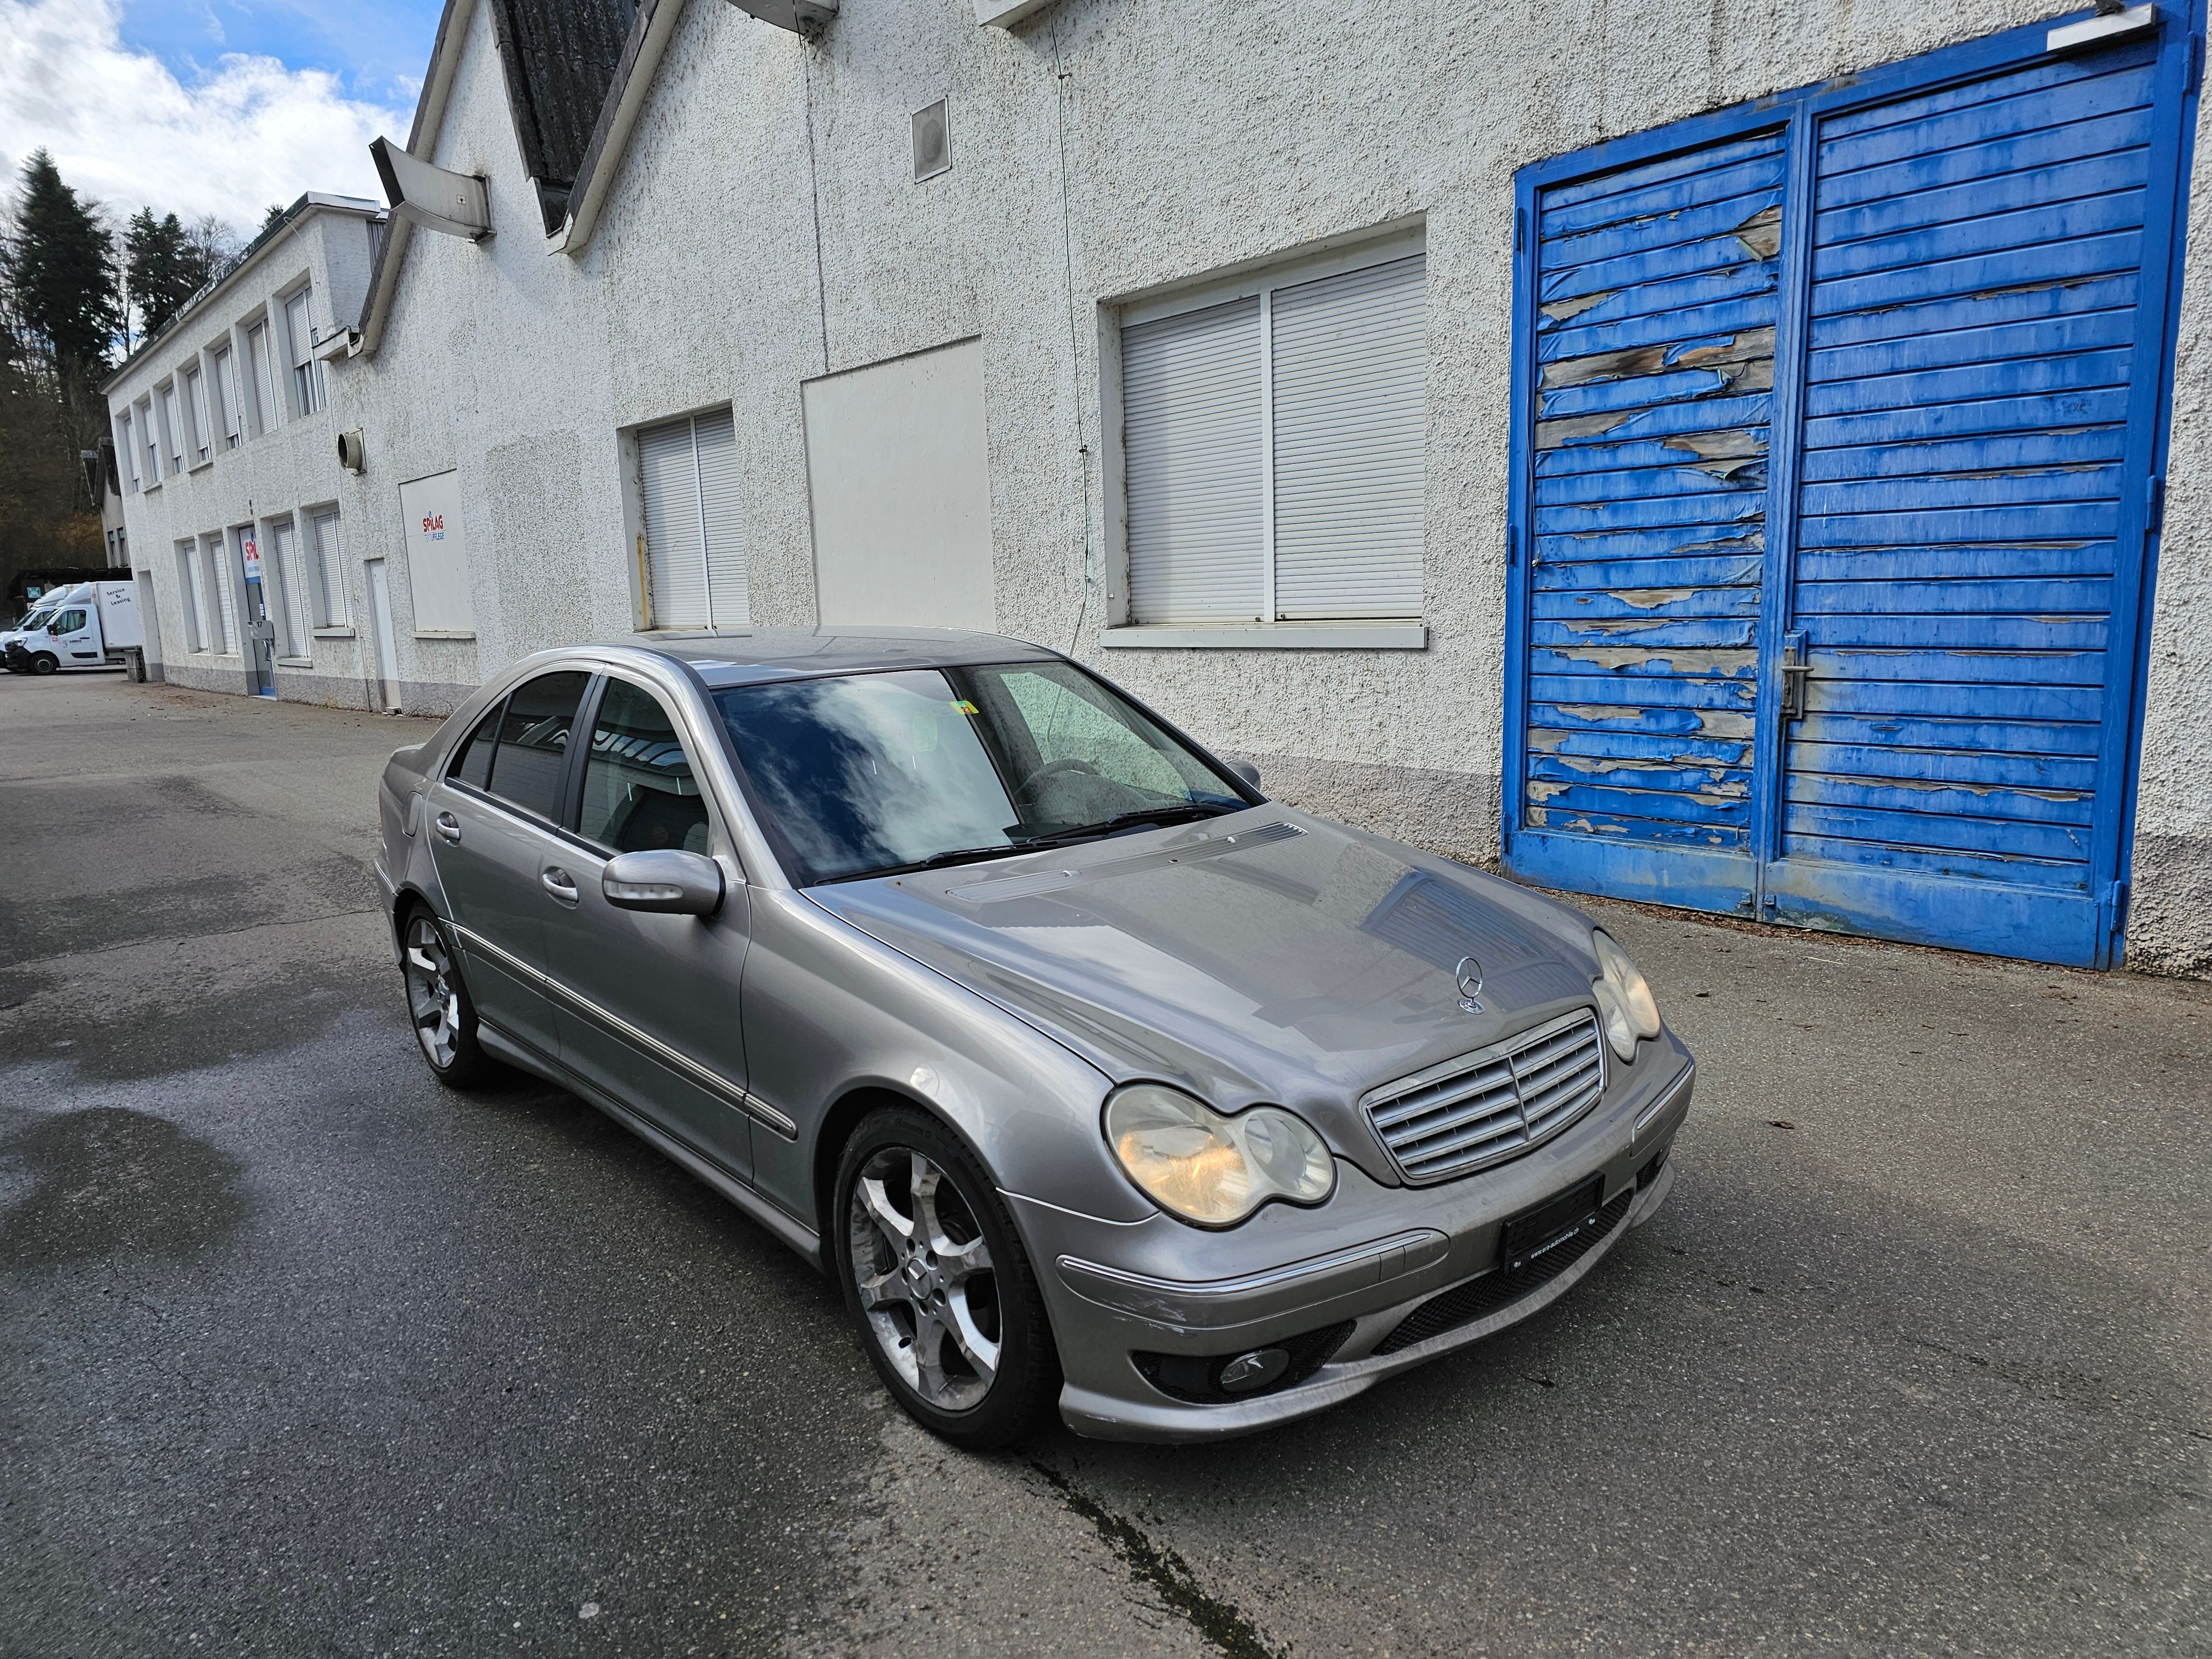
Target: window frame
587	706
1255	279
306	393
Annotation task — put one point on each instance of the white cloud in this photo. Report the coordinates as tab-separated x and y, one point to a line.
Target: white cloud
123	129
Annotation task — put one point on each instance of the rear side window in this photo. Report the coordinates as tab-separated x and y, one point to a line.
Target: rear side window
472	760
533	741
639	790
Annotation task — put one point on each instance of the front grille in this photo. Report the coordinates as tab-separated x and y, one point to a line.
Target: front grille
1489	1106
1197	1379
1479	1298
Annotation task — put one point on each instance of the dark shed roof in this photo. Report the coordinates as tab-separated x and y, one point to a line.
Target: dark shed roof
560	57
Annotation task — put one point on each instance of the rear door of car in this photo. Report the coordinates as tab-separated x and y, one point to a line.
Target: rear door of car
494	818
648	1003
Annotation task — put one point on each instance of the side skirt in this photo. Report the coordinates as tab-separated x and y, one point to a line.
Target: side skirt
785	1229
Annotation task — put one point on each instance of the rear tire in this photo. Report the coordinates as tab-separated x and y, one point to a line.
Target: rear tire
939	1287
438	1003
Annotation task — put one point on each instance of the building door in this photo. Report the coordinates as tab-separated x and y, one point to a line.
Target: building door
260	626
1841	427
388	653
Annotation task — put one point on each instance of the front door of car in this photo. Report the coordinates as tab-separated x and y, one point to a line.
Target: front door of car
76	639
649	1003
491	821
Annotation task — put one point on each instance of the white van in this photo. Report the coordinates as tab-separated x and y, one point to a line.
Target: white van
90	626
34	621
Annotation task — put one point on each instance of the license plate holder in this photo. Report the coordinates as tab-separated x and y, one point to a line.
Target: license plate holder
1526	1238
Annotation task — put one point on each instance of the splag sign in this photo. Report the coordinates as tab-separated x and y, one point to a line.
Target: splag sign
437	554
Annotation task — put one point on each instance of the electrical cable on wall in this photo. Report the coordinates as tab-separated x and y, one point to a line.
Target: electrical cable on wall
1074	351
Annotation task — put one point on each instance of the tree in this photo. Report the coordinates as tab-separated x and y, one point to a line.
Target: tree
59	316
167	262
60	279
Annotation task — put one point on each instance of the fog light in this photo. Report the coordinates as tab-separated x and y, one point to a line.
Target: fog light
1253	1370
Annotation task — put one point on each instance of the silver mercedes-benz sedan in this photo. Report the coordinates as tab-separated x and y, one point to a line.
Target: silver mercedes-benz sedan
1096	1078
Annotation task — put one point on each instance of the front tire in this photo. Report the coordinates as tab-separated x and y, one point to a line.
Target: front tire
439	1006
45	663
944	1295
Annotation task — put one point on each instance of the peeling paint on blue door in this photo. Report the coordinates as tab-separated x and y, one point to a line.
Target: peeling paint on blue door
1867	382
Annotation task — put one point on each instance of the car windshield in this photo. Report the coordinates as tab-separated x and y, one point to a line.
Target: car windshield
862	774
35	621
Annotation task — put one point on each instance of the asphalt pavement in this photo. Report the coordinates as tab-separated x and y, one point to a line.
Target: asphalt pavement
300	1354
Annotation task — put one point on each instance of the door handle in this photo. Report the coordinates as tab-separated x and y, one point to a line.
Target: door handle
1796	670
559	883
447	825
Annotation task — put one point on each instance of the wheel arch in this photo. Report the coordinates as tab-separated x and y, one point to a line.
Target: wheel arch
846	1114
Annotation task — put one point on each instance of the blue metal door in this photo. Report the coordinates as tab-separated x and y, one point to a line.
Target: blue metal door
1841	423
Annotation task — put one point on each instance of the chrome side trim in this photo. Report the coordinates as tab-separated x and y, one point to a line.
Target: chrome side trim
705	1077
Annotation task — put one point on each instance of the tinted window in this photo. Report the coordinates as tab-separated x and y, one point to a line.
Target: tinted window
638	792
69	622
472	760
864	773
533	741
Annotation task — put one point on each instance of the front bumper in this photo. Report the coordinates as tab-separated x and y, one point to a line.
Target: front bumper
1384	1252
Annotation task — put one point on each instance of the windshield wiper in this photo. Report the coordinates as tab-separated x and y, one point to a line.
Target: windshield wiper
950	856
1162	815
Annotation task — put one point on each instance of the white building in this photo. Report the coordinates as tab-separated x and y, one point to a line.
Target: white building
1730	460
225	443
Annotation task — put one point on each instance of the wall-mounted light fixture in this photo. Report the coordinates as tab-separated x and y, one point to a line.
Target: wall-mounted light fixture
431	197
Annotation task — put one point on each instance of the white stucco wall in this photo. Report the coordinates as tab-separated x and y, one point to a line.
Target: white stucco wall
1103	151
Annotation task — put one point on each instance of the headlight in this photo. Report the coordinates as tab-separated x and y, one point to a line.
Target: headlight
1209	1169
1625	1003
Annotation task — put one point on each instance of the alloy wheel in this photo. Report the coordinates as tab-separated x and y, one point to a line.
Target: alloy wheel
434	996
927	1284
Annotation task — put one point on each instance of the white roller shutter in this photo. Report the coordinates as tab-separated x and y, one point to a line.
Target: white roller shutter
1191	439
292	571
668	483
695	554
728	600
1351	388
329	568
222	559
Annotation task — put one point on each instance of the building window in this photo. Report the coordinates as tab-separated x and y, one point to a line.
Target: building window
294	614
152	442
128	450
222	389
327	562
260	390
218	568
306	373
172	429
687	475
1272	444
191	587
202	440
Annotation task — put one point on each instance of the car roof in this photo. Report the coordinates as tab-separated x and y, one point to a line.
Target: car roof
785	653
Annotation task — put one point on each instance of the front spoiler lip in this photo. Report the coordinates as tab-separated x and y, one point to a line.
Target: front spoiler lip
1101	1416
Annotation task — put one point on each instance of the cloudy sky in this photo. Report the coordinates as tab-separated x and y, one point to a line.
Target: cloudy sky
219	106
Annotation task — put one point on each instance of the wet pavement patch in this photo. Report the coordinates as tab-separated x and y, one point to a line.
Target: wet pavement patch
106	1181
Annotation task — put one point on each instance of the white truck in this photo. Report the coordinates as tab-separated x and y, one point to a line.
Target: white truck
90	626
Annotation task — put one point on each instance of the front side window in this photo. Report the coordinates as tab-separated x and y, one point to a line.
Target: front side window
866	774
1274	450
533	741
640	792
68	622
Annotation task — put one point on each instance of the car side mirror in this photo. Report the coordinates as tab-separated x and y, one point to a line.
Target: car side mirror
1246	771
665	881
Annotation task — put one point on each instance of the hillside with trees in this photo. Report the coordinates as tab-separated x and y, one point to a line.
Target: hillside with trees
78	294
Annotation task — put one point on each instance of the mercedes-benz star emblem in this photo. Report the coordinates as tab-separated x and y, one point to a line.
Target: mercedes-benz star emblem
1469	976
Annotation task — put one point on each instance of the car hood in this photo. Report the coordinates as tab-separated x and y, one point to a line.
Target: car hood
1265	955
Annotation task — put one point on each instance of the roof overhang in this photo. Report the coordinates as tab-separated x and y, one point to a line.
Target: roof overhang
649	34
